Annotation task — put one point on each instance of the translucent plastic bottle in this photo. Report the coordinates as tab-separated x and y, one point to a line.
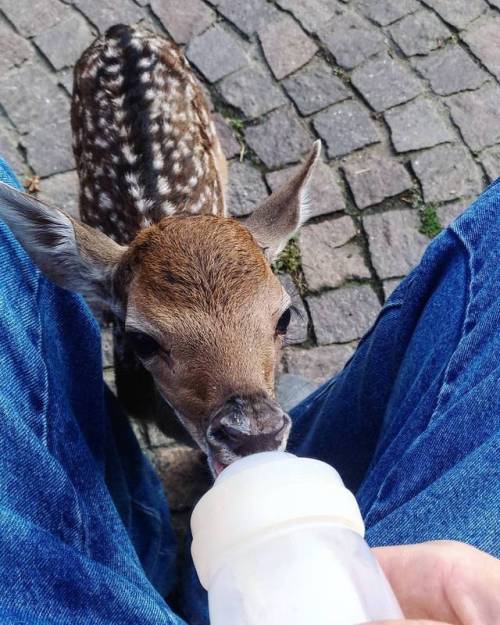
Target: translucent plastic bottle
278	540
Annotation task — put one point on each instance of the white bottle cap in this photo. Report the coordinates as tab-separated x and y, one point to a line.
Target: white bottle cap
261	492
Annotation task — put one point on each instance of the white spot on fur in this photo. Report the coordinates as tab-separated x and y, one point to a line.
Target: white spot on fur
158	162
168	208
133	185
163	185
146	62
113	68
101	143
128	153
136	43
104	200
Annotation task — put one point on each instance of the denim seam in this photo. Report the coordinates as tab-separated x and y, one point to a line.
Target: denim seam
147	510
46	393
463	332
83	531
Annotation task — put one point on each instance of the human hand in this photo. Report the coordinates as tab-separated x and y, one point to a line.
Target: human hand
443	582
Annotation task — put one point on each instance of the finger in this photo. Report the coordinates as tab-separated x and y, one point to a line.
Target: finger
413	622
419	575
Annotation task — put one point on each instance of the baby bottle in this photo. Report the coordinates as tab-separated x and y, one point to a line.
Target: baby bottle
278	540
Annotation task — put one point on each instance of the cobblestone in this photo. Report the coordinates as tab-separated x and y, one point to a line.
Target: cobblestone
292	389
15	49
343	315
65	79
246	189
320	363
103	13
450	70
285	46
297	330
490	160
183	19
351	39
228	142
449	212
483	38
458	13
385	82
447	172
345	127
216	54
389	286
31	99
278	140
324	189
247	15
9	142
312	14
49	148
31	18
61	190
395	242
315	87
419	33
252	91
476	114
328	258
386	12
375	177
64	43
416	125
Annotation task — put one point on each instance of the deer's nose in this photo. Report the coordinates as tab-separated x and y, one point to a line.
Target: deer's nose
247	425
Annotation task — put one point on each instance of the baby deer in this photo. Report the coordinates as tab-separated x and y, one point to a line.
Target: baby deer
195	305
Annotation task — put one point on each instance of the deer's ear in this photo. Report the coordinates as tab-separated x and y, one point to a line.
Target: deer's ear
69	253
279	217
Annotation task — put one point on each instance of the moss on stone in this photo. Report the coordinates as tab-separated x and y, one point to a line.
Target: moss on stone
430	225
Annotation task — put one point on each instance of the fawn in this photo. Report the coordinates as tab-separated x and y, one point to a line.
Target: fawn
196	307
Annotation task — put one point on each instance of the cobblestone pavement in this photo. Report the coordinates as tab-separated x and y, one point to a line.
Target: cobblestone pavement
403	93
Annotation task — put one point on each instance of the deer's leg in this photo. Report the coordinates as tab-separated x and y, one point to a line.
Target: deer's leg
137	392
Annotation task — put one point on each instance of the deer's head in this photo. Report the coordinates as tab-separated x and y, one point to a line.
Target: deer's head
201	305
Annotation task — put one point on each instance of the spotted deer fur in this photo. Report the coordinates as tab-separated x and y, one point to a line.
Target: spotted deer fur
144	143
199	317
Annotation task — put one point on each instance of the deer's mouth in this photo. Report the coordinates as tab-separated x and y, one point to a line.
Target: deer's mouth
216	466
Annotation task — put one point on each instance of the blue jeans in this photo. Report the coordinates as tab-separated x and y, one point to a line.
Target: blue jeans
412	423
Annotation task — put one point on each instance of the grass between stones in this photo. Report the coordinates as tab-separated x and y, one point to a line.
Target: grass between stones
289	261
430	225
429	220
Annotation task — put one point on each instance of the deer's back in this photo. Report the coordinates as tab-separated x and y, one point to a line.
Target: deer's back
144	144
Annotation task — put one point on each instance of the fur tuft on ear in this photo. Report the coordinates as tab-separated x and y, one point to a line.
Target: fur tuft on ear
71	254
281	215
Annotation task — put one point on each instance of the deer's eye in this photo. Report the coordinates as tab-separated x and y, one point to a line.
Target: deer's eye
143	345
283	322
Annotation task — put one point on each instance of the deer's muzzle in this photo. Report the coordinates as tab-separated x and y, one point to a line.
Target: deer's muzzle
244	426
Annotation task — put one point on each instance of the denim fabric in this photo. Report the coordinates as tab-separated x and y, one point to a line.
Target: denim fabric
85	535
412	424
413	421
